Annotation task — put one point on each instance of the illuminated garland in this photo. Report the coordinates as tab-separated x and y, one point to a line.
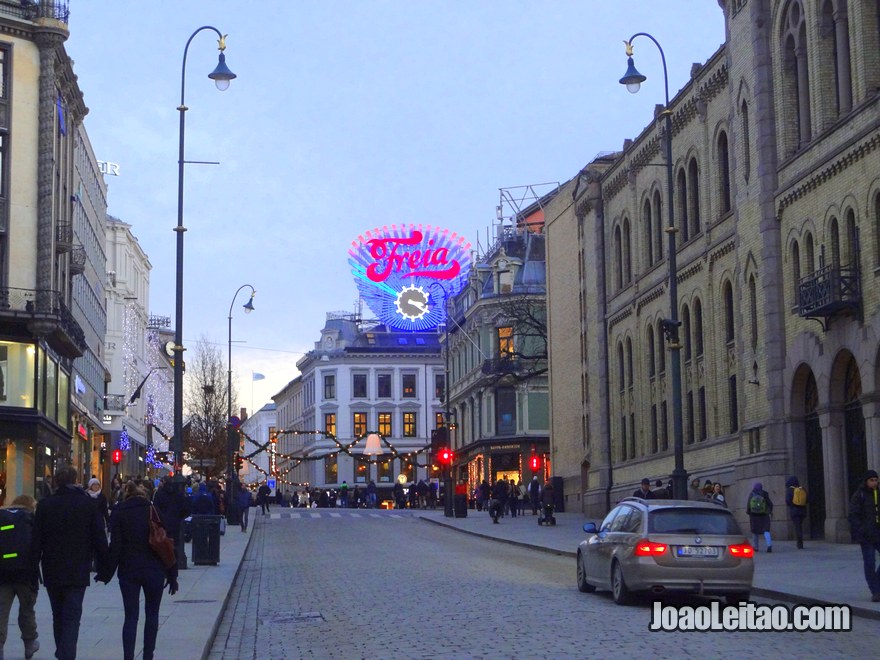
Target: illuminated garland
124	440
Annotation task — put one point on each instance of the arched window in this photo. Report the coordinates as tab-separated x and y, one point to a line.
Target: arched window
652	353
630	380
729	323
693	185
753	312
681	206
686	331
649	232
627	253
618	260
698	328
658	224
747	144
834	53
850	253
877	227
835	243
810	255
796	271
621	368
795	78
723	173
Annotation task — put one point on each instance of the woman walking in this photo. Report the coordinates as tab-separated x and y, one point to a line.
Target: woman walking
139	568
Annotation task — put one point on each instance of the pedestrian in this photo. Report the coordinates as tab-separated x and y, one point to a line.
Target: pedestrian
68	530
718	495
22	581
796	500
343	494
644	490
496	505
760	509
204	504
173	507
95	492
371	495
707	489
244	505
422	492
864	520
263	493
534	494
138	569
547	501
513	498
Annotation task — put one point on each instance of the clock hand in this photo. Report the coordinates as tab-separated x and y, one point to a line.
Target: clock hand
422	307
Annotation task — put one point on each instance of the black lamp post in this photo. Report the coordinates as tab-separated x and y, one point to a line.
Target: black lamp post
633	80
221	76
231	472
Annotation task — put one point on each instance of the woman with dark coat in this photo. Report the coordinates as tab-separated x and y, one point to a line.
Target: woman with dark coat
138	568
796	512
759	515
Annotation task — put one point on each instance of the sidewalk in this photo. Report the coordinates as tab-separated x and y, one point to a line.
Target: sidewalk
822	573
187	621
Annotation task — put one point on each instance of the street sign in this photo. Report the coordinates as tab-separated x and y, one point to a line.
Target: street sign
270	483
201	462
234	422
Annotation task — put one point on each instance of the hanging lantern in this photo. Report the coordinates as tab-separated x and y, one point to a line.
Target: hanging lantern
374	445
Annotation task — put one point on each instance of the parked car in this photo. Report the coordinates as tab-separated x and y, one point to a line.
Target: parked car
666	546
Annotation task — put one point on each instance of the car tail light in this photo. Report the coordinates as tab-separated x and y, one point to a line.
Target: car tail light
646	548
741	550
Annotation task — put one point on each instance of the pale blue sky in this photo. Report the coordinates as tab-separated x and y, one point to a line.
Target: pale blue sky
347	115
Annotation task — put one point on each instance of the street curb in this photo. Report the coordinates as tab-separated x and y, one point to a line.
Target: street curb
206	651
857	610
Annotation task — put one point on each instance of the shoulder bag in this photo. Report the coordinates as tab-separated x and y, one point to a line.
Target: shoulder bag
160	542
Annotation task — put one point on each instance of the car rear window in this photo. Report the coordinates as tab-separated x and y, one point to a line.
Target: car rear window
692	521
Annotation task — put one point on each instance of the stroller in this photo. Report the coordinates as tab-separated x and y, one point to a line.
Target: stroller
545	515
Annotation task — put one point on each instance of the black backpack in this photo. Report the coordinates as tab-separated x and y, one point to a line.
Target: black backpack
16	530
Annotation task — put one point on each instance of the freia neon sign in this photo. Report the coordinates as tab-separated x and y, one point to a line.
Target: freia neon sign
405	273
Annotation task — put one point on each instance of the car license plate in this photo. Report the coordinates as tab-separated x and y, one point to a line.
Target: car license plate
697	551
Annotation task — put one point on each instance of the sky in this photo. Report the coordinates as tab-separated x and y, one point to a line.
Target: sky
348	115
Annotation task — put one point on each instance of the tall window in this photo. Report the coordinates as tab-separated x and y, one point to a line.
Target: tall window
852	237
835	244
877	228
505	343
753	312
733	406
630	376
689	422
693	185
385	424
330	423
661	350
704	429
439	420
654	429
795	79
649	232
329	386
810	255
729	322
686	331
658	224
440	386
723	173
331	469
627	253
383	386
698	328
621	367
618	259
747	149
359	424
682	206
623	443
359	386
409	425
505	410
652	366
408	382
664	426
834	52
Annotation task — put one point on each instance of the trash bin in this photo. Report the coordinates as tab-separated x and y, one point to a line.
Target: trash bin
205	539
460	503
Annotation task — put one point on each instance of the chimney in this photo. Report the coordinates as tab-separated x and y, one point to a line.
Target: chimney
243	416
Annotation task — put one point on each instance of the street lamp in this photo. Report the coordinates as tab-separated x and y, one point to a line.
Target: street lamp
231	472
633	80
221	76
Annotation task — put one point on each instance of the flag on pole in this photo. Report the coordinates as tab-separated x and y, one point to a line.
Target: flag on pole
257	376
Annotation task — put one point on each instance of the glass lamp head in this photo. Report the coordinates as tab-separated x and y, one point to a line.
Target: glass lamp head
632	78
221	75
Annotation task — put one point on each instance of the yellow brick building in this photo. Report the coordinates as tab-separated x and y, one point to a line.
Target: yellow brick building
776	197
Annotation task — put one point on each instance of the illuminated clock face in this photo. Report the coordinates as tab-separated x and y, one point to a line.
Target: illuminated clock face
412	303
169	348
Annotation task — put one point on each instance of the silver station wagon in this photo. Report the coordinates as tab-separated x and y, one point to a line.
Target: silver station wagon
666	546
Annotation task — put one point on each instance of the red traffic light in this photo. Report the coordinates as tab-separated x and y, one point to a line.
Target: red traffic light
117	456
445	456
535	462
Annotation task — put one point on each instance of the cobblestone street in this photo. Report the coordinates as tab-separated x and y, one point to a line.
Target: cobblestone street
392	586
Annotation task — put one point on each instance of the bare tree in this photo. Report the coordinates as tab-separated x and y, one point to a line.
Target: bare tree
526	315
206	401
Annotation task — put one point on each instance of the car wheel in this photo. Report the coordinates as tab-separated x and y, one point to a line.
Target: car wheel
619	590
583	585
737	598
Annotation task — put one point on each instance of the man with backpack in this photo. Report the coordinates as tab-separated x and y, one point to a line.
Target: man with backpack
18	578
796	500
760	509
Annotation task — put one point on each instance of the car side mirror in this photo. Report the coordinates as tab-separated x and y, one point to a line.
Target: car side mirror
590	528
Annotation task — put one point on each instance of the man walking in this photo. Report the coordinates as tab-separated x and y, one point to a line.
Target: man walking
68	531
534	494
864	520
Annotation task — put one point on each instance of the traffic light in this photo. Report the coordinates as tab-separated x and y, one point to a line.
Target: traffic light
445	456
535	462
239	462
117	456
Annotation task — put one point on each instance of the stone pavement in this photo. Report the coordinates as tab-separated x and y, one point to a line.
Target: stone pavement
821	573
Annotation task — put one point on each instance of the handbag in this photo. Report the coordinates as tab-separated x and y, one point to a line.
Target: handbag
160	542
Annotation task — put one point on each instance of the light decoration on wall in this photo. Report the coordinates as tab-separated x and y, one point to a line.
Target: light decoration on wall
131	335
406	272
159	387
124	440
